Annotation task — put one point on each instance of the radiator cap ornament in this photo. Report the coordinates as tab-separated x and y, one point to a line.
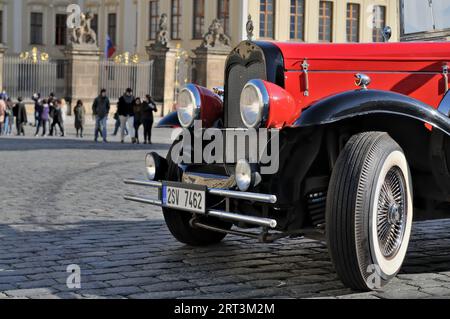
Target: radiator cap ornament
362	80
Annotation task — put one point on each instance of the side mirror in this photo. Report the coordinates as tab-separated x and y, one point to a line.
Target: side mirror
387	33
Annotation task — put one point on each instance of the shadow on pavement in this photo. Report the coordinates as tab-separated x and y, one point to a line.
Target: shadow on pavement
24	144
140	259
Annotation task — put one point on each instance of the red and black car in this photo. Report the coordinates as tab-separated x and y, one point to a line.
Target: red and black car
364	149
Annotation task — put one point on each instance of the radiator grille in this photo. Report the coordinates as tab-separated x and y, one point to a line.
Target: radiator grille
237	77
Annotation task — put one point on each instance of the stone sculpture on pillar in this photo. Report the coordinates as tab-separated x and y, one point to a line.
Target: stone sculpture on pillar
83	55
216	37
163	55
211	55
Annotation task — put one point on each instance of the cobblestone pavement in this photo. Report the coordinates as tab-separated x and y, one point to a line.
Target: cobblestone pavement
61	204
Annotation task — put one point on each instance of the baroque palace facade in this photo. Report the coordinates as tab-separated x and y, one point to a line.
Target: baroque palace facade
133	24
28	27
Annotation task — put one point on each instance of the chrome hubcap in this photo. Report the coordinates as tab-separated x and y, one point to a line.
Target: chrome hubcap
391	213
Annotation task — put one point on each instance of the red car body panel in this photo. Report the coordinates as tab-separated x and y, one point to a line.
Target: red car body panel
412	69
284	109
214	109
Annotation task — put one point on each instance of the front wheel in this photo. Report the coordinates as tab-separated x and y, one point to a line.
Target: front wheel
369	211
178	222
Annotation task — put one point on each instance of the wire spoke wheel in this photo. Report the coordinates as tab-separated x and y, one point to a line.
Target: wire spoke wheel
392	211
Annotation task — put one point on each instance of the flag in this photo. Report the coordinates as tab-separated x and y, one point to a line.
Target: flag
110	49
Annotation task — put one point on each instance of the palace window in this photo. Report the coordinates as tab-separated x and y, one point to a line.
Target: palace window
223	14
36	28
199	18
153	19
326	21
60	29
297	22
353	17
176	20
379	22
112	27
266	18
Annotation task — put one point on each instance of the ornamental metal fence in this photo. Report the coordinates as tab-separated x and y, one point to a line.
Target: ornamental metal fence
22	78
117	77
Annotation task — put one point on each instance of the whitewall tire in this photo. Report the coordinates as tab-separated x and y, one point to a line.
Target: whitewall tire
369	211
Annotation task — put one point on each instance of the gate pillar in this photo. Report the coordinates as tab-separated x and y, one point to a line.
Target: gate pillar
210	57
83	74
163	78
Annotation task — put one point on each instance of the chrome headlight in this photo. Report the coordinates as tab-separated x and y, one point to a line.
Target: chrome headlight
244	175
150	166
189	103
254	104
155	166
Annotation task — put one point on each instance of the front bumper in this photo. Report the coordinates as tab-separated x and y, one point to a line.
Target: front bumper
224	193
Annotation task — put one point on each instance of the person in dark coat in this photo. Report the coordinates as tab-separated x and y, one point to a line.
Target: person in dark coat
149	107
100	109
125	109
20	113
57	118
45	111
137	110
79	113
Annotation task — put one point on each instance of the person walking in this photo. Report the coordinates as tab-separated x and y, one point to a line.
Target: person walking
137	110
45	115
117	125
100	109
9	117
125	109
57	119
149	107
37	108
2	113
79	113
20	113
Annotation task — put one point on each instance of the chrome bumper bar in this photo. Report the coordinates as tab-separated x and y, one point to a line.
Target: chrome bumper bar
258	221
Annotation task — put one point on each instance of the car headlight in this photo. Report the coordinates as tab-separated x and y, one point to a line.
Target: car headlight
254	104
189	103
150	166
155	166
244	175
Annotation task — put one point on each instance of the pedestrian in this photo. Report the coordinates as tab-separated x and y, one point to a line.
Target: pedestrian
126	114
45	115
117	125
20	112
2	112
79	113
37	108
147	118
100	109
57	119
63	110
137	110
9	117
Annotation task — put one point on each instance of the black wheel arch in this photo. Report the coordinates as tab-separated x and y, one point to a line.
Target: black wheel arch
427	147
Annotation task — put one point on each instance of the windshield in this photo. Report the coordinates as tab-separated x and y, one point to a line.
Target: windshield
425	15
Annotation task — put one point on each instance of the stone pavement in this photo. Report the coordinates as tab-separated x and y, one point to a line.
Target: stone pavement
61	204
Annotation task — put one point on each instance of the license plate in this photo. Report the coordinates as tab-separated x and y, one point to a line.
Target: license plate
191	198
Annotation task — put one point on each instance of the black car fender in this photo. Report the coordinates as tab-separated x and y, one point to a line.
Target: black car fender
352	104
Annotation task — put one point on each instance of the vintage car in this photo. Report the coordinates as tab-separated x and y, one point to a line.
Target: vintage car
364	149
